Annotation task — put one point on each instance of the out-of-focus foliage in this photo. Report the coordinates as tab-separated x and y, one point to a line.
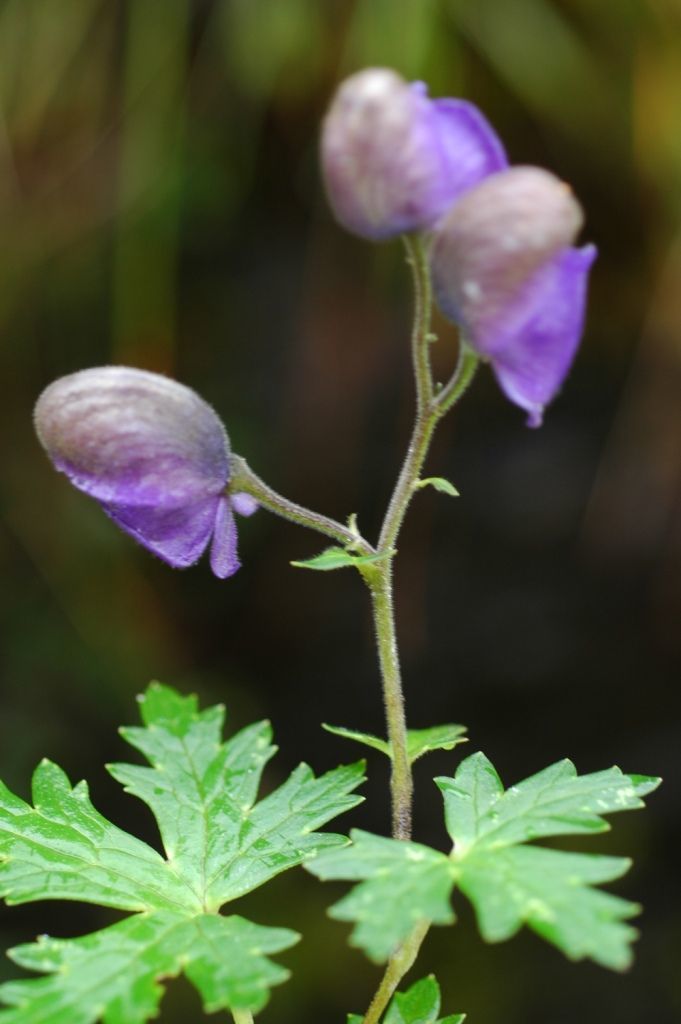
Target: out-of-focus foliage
160	206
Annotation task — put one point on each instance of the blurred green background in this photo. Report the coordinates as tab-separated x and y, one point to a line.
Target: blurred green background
160	206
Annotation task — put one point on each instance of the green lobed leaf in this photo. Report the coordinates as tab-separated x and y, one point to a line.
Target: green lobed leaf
555	801
114	974
339	558
550	891
420	1004
219	841
440	483
419	741
359	737
62	848
508	883
401	883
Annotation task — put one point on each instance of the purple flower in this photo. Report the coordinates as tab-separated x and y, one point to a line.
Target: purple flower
504	269
394	160
153	454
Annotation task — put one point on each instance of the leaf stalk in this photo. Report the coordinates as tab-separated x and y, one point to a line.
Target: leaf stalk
398	965
242	1016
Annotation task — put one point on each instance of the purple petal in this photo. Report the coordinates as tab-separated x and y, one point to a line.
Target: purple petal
504	270
223	554
382	161
546	325
179	536
128	437
473	147
394	160
493	241
244	504
152	452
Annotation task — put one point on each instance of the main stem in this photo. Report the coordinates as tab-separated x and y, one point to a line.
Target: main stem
380	586
431	405
380	578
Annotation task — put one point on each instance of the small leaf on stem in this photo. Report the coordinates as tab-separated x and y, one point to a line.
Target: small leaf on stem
419	741
440	484
359	737
437	737
339	558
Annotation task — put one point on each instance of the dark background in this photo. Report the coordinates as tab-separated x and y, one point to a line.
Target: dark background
160	206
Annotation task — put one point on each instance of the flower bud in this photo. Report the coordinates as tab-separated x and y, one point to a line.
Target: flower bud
152	453
394	160
505	271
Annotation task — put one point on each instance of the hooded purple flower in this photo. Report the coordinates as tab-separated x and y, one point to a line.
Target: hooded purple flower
505	271
153	454
394	160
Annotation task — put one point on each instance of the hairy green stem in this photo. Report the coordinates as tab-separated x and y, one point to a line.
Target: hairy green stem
398	965
380	586
430	407
408	479
417	259
380	579
243	479
462	377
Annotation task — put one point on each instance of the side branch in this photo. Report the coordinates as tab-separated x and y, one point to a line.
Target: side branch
460	380
243	479
420	336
